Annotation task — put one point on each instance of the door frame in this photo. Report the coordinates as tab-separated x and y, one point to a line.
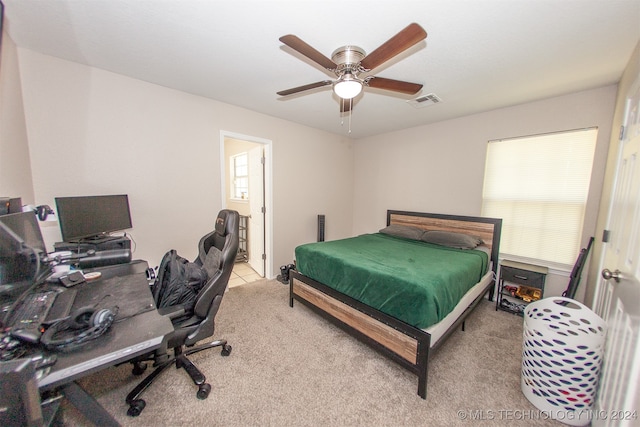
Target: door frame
268	190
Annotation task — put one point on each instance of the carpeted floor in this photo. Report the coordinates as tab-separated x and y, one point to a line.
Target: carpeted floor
290	367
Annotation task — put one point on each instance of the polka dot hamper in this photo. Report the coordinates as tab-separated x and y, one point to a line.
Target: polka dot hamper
563	344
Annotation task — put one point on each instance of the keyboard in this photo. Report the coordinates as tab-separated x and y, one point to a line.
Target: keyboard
37	309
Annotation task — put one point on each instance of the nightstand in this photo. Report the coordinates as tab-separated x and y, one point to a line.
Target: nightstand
518	285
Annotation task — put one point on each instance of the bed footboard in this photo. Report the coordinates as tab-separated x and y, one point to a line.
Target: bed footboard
405	344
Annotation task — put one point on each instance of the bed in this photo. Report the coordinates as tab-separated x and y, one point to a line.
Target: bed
362	292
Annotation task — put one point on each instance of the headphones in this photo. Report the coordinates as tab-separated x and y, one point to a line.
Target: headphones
83	325
43	211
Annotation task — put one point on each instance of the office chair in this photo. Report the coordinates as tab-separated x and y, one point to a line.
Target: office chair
216	253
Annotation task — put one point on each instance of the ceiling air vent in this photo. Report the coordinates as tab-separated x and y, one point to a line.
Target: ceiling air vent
425	100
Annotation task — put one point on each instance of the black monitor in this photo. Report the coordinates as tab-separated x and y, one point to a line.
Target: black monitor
22	250
92	218
25	225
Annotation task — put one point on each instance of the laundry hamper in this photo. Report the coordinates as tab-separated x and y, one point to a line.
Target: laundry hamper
563	344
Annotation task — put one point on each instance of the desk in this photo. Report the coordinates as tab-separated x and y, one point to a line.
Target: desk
137	329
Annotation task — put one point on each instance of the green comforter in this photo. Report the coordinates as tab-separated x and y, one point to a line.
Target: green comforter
416	282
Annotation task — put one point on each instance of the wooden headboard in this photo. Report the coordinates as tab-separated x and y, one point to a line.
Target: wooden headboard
488	229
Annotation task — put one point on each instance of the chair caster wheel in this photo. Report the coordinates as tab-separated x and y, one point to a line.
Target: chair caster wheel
203	391
226	350
138	368
136	407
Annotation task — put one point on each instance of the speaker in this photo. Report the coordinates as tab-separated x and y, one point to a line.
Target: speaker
104	258
320	228
117	243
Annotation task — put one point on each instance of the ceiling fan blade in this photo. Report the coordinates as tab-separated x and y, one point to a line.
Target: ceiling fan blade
402	41
298	45
305	87
394	85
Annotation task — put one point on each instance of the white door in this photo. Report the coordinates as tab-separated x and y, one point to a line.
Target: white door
255	234
617	298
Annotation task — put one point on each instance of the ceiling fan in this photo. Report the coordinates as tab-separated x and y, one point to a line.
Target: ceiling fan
351	64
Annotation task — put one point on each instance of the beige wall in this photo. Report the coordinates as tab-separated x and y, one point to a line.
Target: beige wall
15	168
440	167
96	132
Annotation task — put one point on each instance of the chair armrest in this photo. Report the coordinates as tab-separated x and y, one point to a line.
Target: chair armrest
172	312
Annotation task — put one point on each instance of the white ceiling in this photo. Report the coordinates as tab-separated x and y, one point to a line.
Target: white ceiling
478	56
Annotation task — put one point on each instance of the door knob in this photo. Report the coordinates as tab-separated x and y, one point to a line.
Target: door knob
607	274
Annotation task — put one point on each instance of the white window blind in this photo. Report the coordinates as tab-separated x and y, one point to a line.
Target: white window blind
538	185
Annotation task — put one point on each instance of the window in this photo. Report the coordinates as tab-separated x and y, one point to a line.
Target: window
538	185
240	179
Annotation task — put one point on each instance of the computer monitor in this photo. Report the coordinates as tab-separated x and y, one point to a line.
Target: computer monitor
92	218
25	225
22	250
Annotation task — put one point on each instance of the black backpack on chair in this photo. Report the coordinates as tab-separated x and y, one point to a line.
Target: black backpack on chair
178	282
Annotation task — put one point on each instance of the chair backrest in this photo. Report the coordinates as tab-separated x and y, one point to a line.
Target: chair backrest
576	272
223	241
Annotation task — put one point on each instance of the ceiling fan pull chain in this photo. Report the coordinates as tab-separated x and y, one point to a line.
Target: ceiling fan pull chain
350	112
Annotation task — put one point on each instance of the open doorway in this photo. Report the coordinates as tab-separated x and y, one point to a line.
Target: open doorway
246	189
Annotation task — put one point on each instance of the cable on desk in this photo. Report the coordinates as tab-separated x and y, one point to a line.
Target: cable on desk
148	307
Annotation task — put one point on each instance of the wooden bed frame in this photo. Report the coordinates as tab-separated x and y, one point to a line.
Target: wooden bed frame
403	343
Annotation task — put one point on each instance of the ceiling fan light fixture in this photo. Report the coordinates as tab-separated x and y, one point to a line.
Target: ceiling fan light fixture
349	62
347	87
